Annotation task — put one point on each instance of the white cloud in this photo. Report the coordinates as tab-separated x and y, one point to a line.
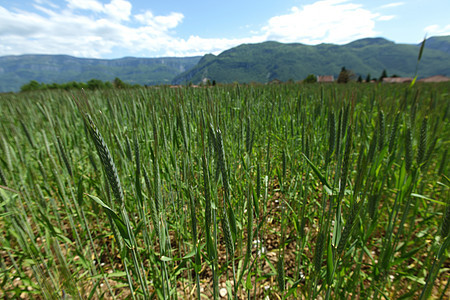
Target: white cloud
118	9
85	28
393	4
331	21
170	21
92	5
91	28
47	2
196	45
436	30
162	22
385	18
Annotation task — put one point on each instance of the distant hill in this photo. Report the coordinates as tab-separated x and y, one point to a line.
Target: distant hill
261	62
15	71
266	61
441	43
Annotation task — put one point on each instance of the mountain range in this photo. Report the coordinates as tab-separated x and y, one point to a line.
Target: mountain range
245	63
16	71
272	60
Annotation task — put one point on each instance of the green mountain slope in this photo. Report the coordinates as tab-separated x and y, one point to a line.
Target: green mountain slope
245	63
272	60
18	70
441	43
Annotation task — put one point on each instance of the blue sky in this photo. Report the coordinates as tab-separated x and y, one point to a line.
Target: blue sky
118	28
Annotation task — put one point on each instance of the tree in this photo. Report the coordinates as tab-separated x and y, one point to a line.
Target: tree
95	84
33	85
311	78
368	78
345	76
53	86
359	79
119	84
383	75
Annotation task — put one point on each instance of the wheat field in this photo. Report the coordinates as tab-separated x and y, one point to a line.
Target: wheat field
290	191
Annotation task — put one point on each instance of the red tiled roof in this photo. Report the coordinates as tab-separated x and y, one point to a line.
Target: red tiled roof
325	78
436	78
397	79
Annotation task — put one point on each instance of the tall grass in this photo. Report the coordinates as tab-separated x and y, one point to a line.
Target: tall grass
288	191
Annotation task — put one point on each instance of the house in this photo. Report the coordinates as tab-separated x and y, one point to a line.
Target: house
397	80
436	78
325	78
275	81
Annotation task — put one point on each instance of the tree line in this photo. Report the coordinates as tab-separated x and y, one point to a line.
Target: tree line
347	75
96	84
93	84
